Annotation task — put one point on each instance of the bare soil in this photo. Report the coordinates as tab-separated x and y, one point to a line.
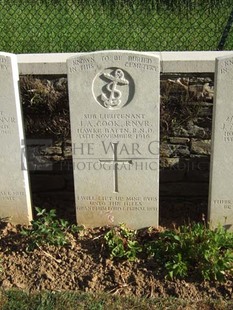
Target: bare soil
85	266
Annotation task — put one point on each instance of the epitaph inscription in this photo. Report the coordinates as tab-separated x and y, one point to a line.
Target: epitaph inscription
15	202
221	186
114	108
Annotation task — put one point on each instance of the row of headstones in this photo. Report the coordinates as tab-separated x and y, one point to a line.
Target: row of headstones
114	109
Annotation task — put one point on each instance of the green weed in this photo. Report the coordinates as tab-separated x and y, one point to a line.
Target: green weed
122	243
180	253
47	229
194	249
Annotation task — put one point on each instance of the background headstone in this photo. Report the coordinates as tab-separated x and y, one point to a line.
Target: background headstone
114	108
221	177
15	202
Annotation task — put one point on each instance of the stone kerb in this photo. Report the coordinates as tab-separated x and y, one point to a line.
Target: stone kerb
171	62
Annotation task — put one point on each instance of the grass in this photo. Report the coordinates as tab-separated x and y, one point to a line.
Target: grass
18	300
74	26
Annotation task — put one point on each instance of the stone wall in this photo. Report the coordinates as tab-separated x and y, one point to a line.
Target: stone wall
186	117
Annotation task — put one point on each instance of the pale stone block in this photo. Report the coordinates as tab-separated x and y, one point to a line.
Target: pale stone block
114	108
221	180
15	201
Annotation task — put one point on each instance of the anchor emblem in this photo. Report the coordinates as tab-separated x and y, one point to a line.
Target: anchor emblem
114	101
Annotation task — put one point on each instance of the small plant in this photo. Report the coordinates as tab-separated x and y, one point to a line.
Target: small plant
194	249
47	229
122	243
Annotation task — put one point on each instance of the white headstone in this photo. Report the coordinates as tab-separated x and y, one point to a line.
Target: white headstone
221	176
114	108
15	202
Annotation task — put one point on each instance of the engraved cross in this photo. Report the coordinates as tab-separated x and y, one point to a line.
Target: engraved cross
115	162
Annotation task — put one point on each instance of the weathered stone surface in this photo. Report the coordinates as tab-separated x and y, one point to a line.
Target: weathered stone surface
201	147
195	131
169	162
192	130
206	111
179	140
52	150
181	131
114	105
15	201
171	150
221	186
68	152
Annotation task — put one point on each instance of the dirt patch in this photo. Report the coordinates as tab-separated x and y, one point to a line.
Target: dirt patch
85	265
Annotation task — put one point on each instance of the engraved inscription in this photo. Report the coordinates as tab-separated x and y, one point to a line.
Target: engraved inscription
115	126
226	204
136	62
142	63
82	64
227	128
116	203
10	195
3	64
226	66
5	123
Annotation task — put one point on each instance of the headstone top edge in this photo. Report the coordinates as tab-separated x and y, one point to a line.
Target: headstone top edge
5	54
12	59
222	58
93	53
223	67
